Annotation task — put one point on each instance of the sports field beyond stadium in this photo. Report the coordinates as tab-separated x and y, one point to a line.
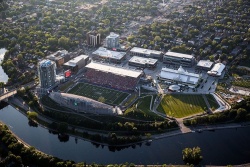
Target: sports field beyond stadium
111	96
180	105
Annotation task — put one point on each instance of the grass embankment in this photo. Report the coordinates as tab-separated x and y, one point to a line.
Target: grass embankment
180	105
212	101
141	110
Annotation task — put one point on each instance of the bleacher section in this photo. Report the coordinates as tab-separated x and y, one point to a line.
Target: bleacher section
112	78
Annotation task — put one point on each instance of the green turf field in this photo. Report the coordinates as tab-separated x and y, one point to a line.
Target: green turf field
112	97
182	105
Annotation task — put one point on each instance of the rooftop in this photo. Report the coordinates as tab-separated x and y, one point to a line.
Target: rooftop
114	70
113	35
179	75
142	60
217	69
103	52
205	63
46	63
75	60
144	51
179	55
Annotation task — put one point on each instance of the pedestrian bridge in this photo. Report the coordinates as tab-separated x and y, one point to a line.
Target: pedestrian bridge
7	95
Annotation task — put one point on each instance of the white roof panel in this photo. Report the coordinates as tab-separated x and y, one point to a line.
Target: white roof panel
179	55
103	52
179	75
145	51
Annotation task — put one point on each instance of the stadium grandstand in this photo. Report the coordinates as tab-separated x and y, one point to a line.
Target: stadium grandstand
82	104
179	59
112	76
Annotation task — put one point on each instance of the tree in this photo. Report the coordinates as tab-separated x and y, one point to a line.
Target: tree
192	155
101	99
63	42
32	115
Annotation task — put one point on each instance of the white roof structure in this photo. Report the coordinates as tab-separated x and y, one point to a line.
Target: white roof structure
205	63
217	69
174	87
113	35
179	55
103	52
142	60
114	70
73	62
179	75
145	51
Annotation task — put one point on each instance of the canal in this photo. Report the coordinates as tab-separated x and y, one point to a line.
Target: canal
3	76
220	147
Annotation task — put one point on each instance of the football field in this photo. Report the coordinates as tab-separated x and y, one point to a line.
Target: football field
102	94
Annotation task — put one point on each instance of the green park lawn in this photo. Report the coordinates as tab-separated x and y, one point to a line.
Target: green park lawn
182	105
111	96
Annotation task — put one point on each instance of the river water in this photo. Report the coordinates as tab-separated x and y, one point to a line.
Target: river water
221	147
3	77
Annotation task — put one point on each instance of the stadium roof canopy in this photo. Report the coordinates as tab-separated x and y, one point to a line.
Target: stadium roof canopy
217	69
179	55
103	52
179	75
114	70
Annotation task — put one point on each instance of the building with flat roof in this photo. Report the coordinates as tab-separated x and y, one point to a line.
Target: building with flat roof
112	41
217	70
179	59
59	57
46	73
108	55
93	38
179	76
143	62
76	63
205	65
135	51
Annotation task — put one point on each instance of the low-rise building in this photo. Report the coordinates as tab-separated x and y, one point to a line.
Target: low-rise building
59	57
204	65
143	62
135	51
108	55
217	70
179	59
76	63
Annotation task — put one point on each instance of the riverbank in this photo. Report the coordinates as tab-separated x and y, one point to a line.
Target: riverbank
172	133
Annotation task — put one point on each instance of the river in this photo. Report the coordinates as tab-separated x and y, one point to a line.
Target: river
3	76
221	147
